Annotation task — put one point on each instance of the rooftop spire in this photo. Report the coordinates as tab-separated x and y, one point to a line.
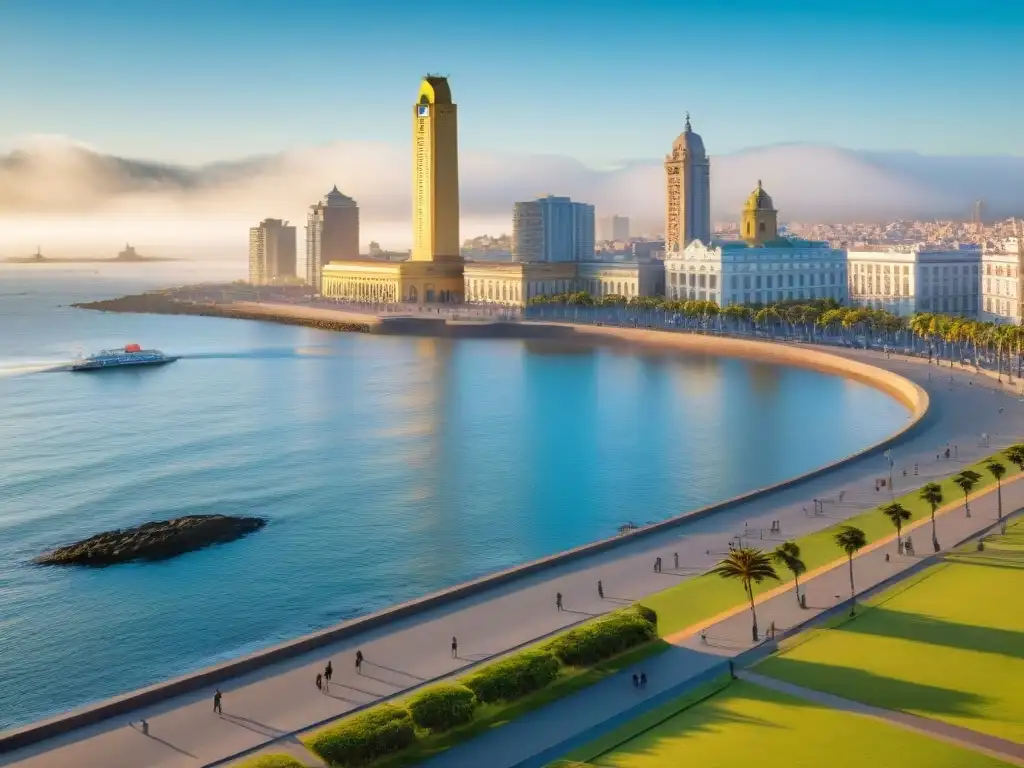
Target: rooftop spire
688	128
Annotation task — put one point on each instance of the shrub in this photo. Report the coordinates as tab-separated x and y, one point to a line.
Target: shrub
648	614
360	739
272	761
443	707
603	638
513	677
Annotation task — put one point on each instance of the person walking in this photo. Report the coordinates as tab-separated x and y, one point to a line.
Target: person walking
600	589
328	672
558	601
359	662
704	636
319	682
675	560
643	679
636	681
455	648
216	701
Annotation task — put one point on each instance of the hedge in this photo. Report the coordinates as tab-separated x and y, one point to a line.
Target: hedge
443	707
602	639
360	739
513	677
272	761
648	614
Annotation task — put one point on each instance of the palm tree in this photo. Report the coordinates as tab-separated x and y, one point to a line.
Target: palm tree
897	514
1015	453
997	470
931	494
749	566
966	481
788	554
851	540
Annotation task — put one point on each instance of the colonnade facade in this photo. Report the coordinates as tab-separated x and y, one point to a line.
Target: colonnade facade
368	289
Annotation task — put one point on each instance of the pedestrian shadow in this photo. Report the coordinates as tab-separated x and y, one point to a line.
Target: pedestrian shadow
342	698
397	671
253	725
381	680
627	600
581	613
162	741
337	684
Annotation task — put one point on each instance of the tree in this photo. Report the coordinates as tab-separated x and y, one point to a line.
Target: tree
931	494
1015	453
997	470
897	514
851	540
749	566
788	554
966	481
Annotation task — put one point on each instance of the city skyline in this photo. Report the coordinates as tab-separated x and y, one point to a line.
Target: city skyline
131	96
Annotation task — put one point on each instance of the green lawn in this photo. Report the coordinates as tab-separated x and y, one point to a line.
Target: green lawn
746	724
949	646
695	600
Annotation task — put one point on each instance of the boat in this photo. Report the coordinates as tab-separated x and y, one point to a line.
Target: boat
130	354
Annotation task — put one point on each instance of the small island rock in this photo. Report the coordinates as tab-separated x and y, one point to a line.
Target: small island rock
153	541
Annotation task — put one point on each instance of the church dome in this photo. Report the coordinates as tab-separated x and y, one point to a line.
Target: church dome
759	200
689	141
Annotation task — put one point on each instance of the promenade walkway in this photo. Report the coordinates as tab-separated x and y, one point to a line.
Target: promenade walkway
282	698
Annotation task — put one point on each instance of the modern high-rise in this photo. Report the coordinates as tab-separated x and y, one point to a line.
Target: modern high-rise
688	192
332	233
435	174
552	229
272	248
614	228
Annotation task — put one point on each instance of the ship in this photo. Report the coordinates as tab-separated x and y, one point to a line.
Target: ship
130	354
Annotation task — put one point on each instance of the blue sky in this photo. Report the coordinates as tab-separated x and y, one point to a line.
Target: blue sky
201	80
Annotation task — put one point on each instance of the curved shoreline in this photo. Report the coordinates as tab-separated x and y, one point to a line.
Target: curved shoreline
908	393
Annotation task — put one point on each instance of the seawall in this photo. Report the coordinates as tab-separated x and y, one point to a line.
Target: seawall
911	395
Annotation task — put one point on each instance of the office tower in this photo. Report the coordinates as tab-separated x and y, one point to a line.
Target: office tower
435	174
332	233
688	192
552	229
271	252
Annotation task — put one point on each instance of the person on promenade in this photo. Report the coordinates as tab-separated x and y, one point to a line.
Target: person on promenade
643	679
657	565
558	601
600	589
328	672
455	648
636	681
216	701
319	682
359	662
675	559
704	636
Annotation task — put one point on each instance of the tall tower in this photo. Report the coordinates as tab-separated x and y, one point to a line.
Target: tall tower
435	174
332	233
759	223
688	192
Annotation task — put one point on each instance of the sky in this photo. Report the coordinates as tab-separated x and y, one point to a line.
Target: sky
195	81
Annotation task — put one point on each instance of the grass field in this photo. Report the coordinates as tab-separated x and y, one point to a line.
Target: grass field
746	724
695	600
949	645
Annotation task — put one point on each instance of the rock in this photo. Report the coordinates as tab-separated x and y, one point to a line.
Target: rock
153	541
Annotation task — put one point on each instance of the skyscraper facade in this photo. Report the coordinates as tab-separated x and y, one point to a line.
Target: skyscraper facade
552	229
614	228
688	192
332	233
271	252
435	173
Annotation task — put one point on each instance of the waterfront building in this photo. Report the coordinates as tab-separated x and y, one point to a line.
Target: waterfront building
272	248
613	228
763	268
905	280
434	270
332	233
1002	282
552	229
687	192
516	283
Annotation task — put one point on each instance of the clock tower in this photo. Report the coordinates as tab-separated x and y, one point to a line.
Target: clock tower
687	192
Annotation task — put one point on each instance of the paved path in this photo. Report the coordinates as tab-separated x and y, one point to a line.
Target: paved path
1010	751
282	698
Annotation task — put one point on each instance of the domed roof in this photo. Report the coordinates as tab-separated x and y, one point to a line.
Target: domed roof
759	200
688	140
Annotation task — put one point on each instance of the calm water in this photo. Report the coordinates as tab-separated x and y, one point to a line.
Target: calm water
388	468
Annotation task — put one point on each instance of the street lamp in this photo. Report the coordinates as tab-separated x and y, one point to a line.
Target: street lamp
888	456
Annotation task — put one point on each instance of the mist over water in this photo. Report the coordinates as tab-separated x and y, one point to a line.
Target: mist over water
387	467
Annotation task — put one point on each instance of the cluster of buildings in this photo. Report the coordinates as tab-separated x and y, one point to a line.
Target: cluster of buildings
552	249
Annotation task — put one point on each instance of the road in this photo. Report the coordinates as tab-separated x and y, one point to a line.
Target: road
282	698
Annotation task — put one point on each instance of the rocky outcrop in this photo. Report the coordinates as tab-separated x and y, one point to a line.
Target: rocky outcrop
153	541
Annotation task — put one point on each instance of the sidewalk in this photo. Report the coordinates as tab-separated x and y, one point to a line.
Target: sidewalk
513	745
282	698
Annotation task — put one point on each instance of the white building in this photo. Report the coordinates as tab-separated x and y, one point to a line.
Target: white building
1001	283
552	229
738	273
920	278
271	252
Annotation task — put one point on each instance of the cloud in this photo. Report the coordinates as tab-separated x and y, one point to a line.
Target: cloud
54	190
